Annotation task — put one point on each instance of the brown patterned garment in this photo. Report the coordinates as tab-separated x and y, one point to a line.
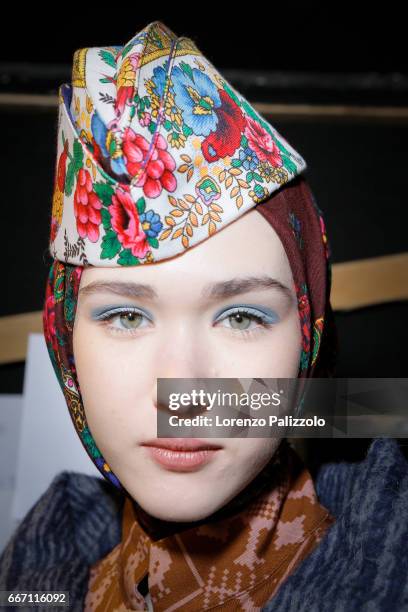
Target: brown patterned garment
230	564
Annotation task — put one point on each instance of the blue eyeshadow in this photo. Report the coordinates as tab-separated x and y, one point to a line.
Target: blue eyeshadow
268	314
96	313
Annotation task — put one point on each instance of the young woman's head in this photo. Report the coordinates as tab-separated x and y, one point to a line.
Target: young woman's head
251	301
226	308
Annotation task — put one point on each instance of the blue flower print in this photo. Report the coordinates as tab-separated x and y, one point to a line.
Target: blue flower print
159	78
248	158
197	97
151	223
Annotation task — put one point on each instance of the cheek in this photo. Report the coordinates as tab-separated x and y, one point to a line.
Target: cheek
275	353
110	393
289	345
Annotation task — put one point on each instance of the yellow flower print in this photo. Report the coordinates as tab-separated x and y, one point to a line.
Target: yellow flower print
172	111
91	167
266	171
155	101
89	105
150	87
176	140
126	76
258	194
196	142
57	205
280	175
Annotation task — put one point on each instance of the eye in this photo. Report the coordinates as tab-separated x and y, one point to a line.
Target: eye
246	321
123	320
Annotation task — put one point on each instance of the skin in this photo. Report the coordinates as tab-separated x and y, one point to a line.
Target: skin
180	334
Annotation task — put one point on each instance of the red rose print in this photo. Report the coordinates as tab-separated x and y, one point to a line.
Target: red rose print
125	222
262	143
49	319
158	173
62	165
304	314
227	137
87	207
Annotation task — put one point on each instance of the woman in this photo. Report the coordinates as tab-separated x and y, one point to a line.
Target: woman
164	268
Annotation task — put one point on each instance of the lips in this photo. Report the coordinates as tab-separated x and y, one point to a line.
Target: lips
181	444
181	454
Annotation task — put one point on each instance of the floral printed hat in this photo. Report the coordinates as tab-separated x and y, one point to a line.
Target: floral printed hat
156	152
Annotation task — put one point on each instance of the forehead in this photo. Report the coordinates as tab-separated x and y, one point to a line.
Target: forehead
247	247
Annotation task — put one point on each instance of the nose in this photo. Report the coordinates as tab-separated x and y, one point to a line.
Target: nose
183	351
181	360
182	356
177	357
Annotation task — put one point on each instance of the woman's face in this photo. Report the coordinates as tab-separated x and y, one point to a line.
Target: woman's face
177	321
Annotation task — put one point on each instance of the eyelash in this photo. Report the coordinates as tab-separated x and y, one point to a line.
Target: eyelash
263	325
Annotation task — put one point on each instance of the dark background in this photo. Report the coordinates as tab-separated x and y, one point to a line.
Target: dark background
350	54
329	36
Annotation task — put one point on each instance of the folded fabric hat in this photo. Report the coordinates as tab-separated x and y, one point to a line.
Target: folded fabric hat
156	152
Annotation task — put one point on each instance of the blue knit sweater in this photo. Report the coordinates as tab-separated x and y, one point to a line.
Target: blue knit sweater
361	564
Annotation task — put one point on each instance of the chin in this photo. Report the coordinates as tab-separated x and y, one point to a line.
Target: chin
183	515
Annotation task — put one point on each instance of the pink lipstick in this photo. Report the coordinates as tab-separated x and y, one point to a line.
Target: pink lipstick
181	454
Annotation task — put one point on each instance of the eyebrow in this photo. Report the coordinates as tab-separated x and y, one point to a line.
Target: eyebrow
212	291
